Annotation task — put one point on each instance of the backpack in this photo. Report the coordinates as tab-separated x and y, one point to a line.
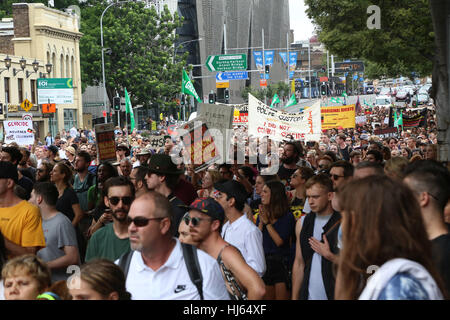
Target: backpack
190	258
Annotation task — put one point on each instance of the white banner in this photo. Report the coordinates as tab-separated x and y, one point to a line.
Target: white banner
277	125
19	131
360	119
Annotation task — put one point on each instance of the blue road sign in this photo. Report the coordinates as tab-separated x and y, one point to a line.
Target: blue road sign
236	75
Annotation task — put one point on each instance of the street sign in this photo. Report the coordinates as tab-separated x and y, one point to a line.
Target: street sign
323	79
48	108
237	75
55	90
263	82
26	105
223	84
227	62
352	66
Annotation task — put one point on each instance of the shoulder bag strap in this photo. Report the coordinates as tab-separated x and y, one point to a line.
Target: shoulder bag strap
193	267
124	262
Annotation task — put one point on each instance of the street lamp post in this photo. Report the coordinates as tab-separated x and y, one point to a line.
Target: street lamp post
190	72
103	57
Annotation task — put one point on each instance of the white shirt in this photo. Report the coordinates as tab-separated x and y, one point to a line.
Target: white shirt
245	235
171	281
73	132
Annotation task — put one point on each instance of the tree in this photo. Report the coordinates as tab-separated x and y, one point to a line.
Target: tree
138	55
404	44
412	38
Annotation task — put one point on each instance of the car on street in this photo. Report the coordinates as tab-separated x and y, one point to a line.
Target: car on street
422	98
385	91
401	95
383	101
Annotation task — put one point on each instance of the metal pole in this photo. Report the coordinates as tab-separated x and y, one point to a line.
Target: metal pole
103	60
309	71
225	38
328	65
288	59
264	63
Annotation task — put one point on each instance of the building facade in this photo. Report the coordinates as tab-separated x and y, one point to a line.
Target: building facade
49	37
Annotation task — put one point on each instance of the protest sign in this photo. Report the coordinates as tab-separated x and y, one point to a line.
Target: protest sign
335	117
106	147
386	133
199	144
277	125
240	115
156	141
360	120
19	131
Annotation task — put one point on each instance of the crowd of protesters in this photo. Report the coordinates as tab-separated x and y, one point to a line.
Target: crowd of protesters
352	202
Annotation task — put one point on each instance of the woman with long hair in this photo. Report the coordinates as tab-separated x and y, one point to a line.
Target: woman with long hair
67	203
277	225
383	230
260	181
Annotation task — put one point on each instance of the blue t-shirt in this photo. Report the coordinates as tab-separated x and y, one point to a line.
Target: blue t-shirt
403	286
285	227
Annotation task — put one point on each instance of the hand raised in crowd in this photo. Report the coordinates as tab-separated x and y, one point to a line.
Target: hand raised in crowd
322	248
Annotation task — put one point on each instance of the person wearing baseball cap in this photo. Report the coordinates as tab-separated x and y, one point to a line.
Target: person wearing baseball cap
205	219
162	177
20	221
239	230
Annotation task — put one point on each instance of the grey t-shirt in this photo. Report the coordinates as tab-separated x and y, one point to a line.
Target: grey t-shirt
58	232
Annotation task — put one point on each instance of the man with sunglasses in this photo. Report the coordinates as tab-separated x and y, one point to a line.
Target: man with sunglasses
157	267
163	177
111	241
205	220
341	172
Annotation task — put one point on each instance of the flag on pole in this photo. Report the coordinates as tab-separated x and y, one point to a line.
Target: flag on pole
129	109
358	106
187	87
336	100
292	101
275	100
398	120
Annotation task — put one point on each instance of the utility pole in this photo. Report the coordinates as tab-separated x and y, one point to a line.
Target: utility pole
264	62
309	63
288	59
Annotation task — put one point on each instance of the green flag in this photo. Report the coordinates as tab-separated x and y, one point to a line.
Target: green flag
275	100
129	109
344	94
292	101
188	88
336	100
398	120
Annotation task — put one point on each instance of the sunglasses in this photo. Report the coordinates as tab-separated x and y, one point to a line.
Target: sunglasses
125	200
40	170
141	221
336	177
195	221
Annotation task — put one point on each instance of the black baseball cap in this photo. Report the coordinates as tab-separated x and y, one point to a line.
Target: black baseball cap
8	171
233	189
208	206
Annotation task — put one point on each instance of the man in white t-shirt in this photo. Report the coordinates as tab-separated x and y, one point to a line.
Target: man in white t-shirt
73	132
239	230
157	270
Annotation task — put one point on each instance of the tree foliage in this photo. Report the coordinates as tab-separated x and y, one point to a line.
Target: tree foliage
404	44
138	52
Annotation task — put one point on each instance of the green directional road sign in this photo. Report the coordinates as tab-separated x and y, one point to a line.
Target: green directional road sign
227	62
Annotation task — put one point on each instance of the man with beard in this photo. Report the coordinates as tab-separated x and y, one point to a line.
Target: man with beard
43	171
291	155
111	241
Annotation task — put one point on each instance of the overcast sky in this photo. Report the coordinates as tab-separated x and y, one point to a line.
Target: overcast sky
302	26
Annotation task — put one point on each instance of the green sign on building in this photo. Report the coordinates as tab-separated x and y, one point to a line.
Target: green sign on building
227	62
55	90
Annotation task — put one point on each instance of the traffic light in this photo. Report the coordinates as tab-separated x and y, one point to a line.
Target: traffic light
267	69
323	89
116	103
1	108
227	94
212	98
183	100
323	69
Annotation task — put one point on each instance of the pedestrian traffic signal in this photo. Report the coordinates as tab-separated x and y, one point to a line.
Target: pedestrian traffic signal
323	89
183	100
212	98
267	69
116	103
227	94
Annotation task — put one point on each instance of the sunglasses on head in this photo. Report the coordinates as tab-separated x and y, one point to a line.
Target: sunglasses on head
195	221
125	200
141	221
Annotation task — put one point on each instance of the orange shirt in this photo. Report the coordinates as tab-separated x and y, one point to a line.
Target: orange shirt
22	225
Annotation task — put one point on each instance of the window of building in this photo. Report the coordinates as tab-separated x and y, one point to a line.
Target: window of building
33	91
70	118
7	93
20	89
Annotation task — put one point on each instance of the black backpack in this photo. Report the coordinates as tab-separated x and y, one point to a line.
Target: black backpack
190	258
